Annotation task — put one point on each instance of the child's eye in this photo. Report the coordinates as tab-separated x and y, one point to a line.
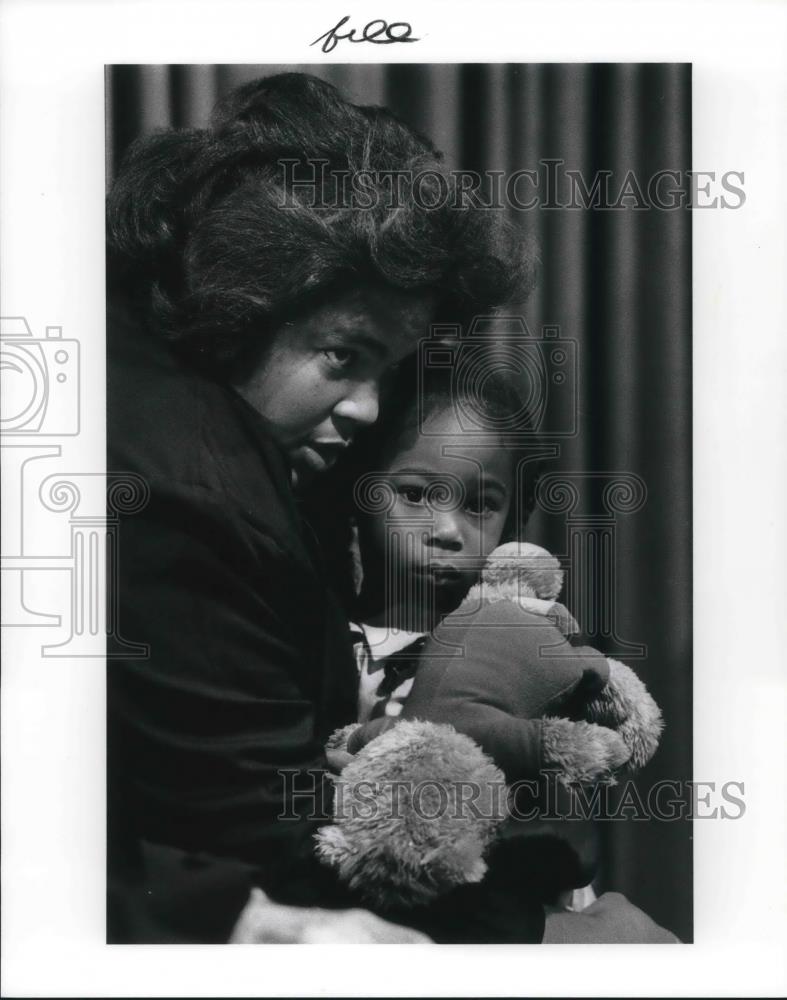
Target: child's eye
482	507
341	357
412	494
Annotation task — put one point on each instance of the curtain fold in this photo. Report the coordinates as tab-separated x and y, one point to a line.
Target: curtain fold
616	282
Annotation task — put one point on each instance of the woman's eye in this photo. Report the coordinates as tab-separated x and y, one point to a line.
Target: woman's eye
341	357
412	494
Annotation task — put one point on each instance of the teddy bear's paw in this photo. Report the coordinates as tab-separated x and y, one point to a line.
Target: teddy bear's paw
626	705
582	752
339	737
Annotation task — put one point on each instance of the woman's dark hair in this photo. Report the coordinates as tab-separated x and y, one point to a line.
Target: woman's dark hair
215	235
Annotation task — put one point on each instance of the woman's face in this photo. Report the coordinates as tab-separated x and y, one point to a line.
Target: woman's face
319	379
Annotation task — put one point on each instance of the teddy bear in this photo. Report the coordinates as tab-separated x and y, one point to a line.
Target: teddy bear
502	693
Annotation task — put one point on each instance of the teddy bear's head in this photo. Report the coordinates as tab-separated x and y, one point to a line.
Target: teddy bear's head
518	570
414	812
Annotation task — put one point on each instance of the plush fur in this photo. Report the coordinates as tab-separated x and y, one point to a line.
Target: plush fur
520	570
582	752
414	813
626	706
408	855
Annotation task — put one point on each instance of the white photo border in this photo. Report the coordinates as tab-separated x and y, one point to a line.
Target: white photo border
52	59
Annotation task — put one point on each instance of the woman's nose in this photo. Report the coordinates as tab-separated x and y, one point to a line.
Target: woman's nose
361	406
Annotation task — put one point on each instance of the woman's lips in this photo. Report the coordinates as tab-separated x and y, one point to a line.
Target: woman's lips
320	455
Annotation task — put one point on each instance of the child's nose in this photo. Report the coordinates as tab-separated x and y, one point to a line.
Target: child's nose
360	405
446	532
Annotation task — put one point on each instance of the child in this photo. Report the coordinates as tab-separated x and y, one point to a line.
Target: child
433	503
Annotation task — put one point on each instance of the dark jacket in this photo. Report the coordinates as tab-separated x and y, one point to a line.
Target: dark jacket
249	666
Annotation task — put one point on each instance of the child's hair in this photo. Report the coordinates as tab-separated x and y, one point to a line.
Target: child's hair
215	237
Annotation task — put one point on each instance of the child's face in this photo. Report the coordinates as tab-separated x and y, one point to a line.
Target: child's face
319	379
448	512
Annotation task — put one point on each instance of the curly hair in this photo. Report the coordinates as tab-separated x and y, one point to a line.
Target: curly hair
216	235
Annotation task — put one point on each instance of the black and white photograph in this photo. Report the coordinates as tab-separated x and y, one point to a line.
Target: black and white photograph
392	404
402	356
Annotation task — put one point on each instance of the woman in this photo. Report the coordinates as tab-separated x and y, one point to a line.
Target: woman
257	302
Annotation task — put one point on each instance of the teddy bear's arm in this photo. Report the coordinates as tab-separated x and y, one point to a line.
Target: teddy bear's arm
524	748
493	679
514	744
626	705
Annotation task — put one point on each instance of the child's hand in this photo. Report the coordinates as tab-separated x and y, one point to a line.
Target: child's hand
345	743
337	760
337	754
368	731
